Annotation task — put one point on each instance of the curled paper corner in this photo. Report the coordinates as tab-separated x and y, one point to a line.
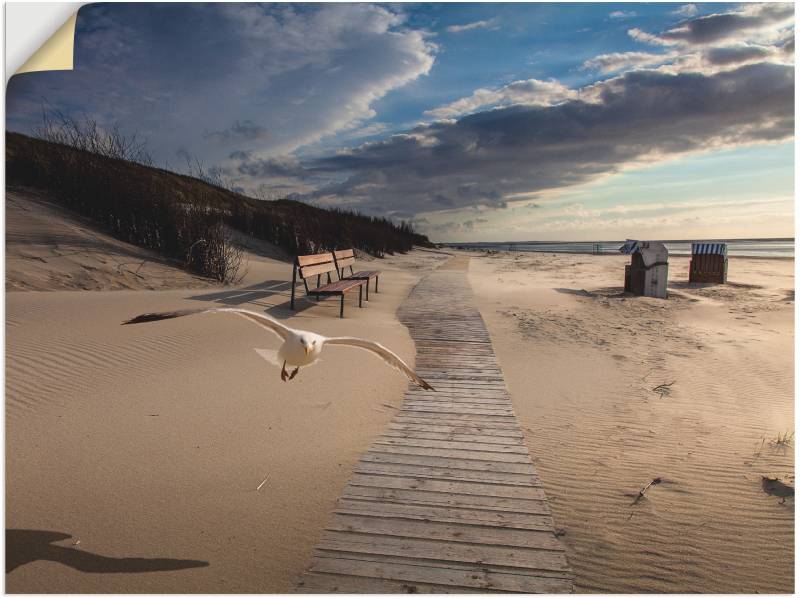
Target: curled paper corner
56	54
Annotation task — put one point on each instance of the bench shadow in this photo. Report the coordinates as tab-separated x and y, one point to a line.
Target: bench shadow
274	296
25	546
692	285
608	292
252	294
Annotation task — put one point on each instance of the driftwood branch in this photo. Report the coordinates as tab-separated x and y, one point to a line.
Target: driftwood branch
640	496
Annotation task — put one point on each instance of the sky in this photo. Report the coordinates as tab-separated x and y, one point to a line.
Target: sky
475	122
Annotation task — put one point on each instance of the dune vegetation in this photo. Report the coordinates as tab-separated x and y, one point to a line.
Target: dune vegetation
110	179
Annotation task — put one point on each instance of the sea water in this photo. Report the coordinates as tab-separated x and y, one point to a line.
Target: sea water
772	248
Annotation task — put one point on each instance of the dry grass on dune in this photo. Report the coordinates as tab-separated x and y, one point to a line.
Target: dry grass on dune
48	248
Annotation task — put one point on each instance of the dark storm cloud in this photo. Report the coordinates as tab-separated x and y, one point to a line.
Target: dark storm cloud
715	28
245	130
278	167
736	54
642	115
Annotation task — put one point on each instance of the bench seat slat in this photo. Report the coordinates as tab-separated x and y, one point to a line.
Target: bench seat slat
363	274
337	288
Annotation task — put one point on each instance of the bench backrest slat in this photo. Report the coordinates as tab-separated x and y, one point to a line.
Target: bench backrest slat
307	271
345	258
312	265
317	258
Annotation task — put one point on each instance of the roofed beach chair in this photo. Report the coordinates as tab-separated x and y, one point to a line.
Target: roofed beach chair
345	258
308	266
648	271
709	263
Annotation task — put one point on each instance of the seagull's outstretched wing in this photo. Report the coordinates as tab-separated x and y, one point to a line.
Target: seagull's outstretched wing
388	356
262	320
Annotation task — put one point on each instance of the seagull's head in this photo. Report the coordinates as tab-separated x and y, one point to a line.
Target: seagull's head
310	343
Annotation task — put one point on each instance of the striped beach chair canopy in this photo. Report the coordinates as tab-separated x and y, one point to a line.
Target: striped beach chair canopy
709	249
631	246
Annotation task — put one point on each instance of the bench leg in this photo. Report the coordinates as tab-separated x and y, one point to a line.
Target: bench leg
360	289
367	285
341	307
376	284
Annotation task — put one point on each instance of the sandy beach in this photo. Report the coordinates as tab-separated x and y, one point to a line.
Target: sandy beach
149	442
170	457
582	362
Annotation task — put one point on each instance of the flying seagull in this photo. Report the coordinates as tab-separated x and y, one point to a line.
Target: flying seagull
299	347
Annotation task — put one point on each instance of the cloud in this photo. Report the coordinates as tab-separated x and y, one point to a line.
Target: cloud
267	77
622	14
487	24
532	92
618	61
720	27
687	10
369	130
240	131
641	116
453	226
737	54
274	167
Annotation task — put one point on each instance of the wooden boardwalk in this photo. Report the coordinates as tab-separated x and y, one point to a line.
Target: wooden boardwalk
447	499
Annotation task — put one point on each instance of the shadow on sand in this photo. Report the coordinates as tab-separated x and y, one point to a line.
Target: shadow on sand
274	295
25	546
608	292
252	294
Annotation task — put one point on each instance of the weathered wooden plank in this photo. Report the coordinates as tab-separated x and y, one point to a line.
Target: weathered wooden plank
464	429
473	455
459	402
342	583
432	407
480	517
413	437
478	554
475	417
453	444
491	490
435	529
448	462
453	576
448	499
446	394
446	473
461	421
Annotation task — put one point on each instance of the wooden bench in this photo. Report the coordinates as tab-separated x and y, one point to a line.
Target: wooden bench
308	266
346	258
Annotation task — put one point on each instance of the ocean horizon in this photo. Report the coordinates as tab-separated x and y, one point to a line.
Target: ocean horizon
765	248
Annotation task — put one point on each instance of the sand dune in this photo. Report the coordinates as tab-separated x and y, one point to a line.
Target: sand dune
49	248
582	362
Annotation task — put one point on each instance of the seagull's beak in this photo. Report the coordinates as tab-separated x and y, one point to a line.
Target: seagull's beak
307	349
